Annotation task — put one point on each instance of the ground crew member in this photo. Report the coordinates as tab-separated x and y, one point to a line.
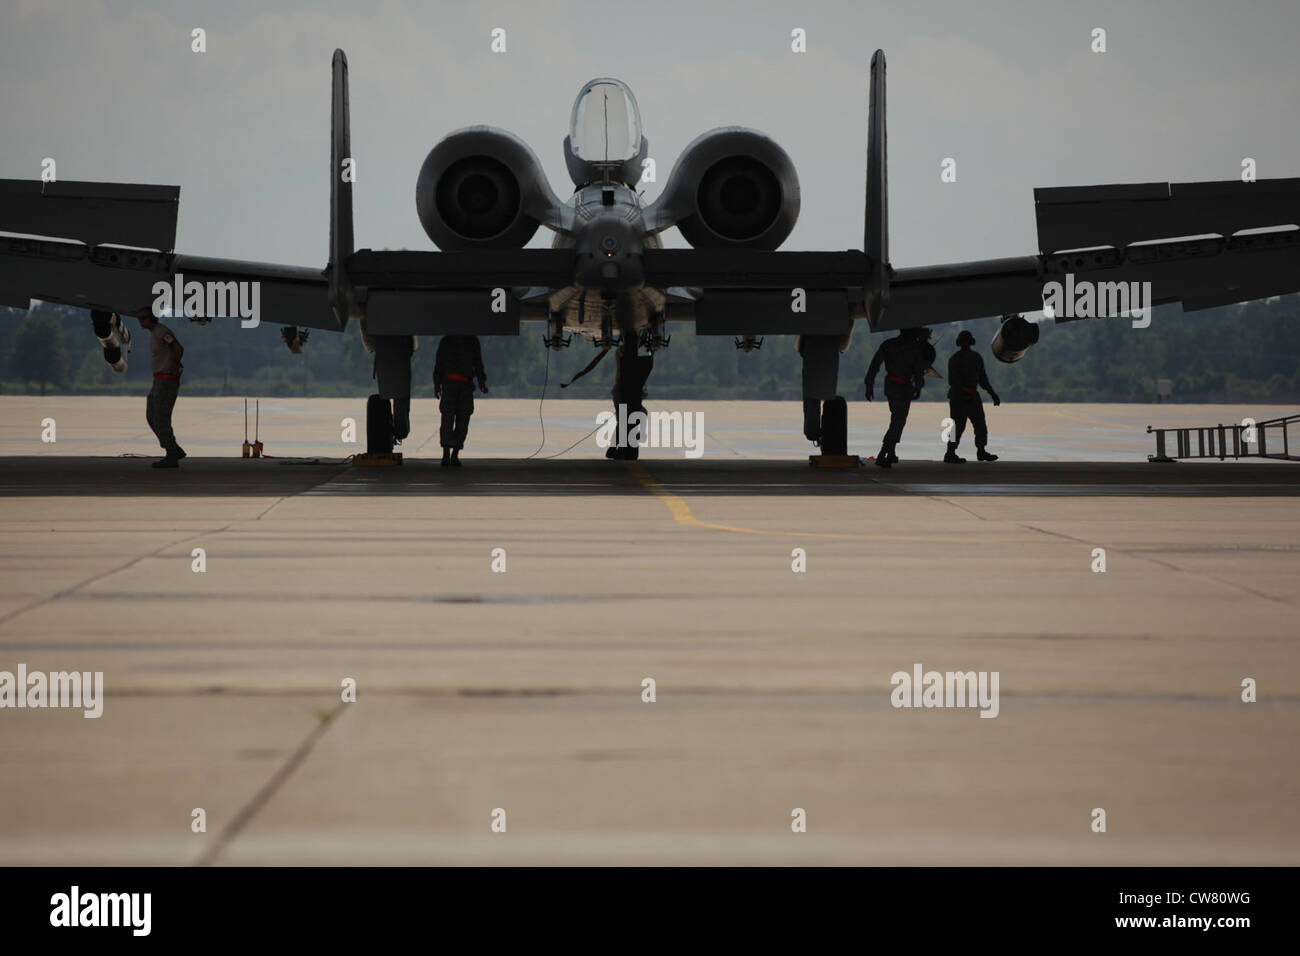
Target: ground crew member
966	376
165	353
631	372
906	357
457	366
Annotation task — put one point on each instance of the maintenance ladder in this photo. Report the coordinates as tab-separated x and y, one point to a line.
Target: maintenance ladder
1212	441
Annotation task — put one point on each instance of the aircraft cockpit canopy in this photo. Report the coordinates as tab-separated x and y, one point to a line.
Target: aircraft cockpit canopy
605	139
606	126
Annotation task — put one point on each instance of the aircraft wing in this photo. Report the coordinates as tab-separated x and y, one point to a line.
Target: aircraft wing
105	245
1199	244
1188	240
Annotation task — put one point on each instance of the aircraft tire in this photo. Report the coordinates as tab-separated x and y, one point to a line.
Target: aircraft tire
835	427
379	426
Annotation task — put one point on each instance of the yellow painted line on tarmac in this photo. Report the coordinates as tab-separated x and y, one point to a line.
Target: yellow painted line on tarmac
682	514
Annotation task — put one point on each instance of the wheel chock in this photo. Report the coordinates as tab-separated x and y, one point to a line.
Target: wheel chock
377	458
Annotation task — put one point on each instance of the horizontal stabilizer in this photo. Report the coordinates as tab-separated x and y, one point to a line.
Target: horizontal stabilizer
416	312
754	269
728	312
477	269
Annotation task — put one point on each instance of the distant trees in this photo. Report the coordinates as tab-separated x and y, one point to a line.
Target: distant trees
1238	353
39	354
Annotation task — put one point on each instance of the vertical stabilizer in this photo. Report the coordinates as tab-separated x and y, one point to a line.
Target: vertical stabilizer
341	176
875	242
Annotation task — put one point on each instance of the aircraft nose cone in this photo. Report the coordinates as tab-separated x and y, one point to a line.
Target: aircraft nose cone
609	255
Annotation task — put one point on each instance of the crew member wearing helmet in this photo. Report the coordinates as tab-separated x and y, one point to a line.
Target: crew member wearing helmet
906	358
966	376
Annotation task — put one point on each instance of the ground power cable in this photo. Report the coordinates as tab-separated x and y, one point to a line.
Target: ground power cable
542	421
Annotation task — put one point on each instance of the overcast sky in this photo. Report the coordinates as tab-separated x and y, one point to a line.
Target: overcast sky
1011	91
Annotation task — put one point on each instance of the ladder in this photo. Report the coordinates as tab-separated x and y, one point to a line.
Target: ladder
1220	441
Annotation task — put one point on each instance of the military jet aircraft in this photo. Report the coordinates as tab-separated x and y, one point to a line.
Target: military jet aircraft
481	195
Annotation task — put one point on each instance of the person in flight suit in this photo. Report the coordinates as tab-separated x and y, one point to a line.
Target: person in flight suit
457	366
629	392
966	376
906	357
165	352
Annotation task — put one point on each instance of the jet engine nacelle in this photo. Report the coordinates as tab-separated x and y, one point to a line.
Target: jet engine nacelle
482	187
1014	339
731	187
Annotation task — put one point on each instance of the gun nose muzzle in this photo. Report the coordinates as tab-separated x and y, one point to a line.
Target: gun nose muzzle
609	255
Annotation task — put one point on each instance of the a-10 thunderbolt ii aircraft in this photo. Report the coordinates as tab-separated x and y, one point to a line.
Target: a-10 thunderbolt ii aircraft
734	195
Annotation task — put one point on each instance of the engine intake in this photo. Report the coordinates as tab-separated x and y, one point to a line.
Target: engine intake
731	188
480	188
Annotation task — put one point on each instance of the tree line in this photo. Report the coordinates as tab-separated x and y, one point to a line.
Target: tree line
1241	353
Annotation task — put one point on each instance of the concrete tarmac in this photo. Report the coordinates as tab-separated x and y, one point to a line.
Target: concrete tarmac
482	690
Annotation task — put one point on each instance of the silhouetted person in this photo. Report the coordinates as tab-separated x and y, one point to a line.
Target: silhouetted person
457	366
631	372
966	376
165	352
906	357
